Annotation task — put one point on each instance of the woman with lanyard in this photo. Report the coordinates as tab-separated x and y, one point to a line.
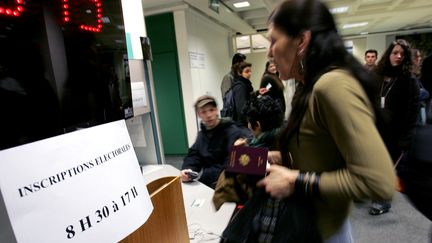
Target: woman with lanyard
399	106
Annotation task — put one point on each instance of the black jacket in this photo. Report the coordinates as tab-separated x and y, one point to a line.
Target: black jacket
399	114
210	150
277	89
426	74
242	94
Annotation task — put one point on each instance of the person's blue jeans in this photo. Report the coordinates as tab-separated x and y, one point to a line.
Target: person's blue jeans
343	235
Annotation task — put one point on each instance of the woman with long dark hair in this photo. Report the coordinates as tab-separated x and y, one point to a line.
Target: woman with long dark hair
399	97
271	84
399	105
330	150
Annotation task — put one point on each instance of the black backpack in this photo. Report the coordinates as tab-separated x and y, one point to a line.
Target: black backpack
229	106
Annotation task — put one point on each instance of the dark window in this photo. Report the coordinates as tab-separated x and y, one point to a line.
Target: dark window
63	66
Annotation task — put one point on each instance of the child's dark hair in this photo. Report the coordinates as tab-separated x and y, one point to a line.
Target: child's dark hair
265	110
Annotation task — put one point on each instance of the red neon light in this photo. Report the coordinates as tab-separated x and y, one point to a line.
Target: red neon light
14	10
96	27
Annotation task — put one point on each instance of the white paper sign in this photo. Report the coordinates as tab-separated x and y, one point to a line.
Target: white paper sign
197	60
138	95
85	186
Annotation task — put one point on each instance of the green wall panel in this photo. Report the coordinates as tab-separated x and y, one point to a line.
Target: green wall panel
160	29
166	76
169	104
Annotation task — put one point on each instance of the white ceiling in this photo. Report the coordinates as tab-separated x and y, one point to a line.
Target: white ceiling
381	15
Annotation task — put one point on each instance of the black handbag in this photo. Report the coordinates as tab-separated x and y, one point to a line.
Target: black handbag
417	176
296	221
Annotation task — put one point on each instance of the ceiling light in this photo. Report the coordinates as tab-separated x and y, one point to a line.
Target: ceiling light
354	25
348	43
339	10
242	4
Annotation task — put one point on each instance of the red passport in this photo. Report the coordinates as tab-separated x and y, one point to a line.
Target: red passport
247	160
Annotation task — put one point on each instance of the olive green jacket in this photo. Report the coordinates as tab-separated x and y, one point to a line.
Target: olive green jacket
338	138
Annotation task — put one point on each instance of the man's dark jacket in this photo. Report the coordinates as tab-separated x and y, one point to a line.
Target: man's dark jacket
210	150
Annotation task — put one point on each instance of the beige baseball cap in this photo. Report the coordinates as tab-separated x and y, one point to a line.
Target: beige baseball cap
204	100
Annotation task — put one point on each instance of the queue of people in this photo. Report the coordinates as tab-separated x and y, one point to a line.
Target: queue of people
345	140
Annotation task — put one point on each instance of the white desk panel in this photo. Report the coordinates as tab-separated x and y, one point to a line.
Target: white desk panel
205	224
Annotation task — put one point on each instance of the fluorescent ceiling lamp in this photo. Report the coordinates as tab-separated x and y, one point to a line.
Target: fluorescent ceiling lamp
339	10
242	4
354	25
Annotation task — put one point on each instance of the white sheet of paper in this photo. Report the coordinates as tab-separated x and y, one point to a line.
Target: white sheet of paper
197	60
268	86
84	186
138	94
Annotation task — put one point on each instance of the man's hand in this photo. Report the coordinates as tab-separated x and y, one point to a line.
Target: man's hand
184	176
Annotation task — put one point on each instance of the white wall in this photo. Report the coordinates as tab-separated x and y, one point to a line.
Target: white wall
196	33
140	127
258	60
379	42
359	48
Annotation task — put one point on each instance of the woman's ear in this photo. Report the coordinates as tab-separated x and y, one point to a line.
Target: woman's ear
305	39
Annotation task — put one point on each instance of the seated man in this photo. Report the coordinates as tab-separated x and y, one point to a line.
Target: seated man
209	154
